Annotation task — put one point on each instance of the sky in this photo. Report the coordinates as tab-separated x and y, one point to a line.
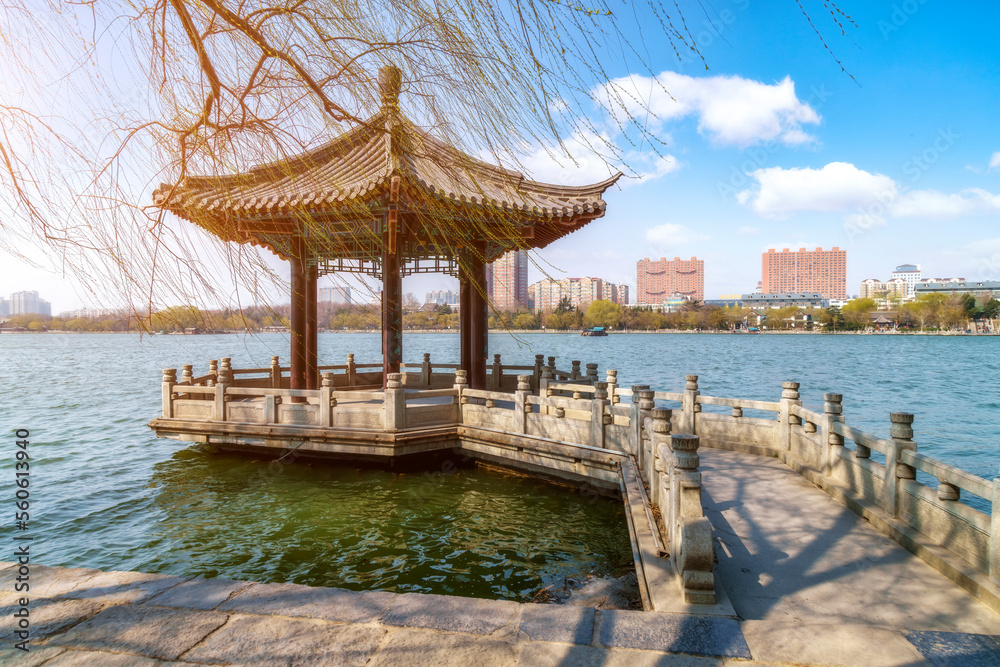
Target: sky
895	157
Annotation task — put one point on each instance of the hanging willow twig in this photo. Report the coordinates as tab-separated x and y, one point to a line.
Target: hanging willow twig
102	101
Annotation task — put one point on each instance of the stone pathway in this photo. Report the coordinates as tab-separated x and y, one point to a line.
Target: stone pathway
811	582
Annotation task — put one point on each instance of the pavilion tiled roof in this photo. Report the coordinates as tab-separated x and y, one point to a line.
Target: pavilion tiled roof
353	170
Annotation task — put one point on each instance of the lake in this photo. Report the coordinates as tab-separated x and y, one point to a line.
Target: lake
107	494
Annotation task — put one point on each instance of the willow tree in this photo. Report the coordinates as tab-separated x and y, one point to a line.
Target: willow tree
102	100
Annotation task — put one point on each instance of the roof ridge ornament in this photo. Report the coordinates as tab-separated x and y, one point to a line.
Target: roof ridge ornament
390	82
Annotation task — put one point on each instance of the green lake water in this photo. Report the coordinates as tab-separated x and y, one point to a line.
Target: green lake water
108	494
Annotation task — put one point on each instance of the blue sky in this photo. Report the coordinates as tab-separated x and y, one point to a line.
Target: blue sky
774	145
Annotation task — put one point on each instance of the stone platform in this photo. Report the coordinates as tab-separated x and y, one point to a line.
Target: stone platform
811	583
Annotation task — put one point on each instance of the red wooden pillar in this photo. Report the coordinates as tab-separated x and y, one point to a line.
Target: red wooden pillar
392	305
465	289
474	318
312	328
297	378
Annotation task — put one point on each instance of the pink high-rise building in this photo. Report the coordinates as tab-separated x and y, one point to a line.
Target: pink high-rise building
823	271
508	282
657	280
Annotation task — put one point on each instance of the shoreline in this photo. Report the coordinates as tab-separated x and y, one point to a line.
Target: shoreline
454	332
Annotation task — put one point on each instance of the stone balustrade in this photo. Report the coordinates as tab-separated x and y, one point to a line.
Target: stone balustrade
875	476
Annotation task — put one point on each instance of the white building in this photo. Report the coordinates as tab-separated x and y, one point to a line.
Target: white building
910	274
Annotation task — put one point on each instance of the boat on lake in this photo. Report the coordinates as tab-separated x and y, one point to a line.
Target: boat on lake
596	331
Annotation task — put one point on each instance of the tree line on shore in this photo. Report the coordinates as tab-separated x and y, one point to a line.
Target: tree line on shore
927	312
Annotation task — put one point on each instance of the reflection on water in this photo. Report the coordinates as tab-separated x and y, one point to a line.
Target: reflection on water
469	531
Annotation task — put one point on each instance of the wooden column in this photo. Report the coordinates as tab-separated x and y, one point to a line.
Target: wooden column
298	314
392	303
465	289
474	318
312	328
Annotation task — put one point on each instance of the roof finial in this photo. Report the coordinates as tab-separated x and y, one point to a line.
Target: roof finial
390	81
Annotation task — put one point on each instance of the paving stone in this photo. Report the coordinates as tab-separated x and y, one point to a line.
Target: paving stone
557	623
103	659
544	654
150	631
451	614
203	594
48	616
263	641
426	647
123	587
840	643
32	658
673	633
957	648
333	604
48	582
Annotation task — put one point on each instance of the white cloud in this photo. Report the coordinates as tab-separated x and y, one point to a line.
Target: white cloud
865	198
669	235
995	160
730	109
836	187
747	230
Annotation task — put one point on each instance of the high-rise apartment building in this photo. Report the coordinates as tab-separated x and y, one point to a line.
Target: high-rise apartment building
24	303
656	280
910	273
621	292
442	297
581	292
508	283
338	295
823	271
4	307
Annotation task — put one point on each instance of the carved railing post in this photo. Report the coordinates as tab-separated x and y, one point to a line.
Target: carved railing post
461	384
612	379
591	373
536	375
789	397
690	532
395	403
275	373
221	385
543	388
634	423
690	405
521	405
326	401
352	371
425	370
660	418
646	404
900	440
169	380
575	372
187	374
598	420
213	370
496	380
226	371
833	442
